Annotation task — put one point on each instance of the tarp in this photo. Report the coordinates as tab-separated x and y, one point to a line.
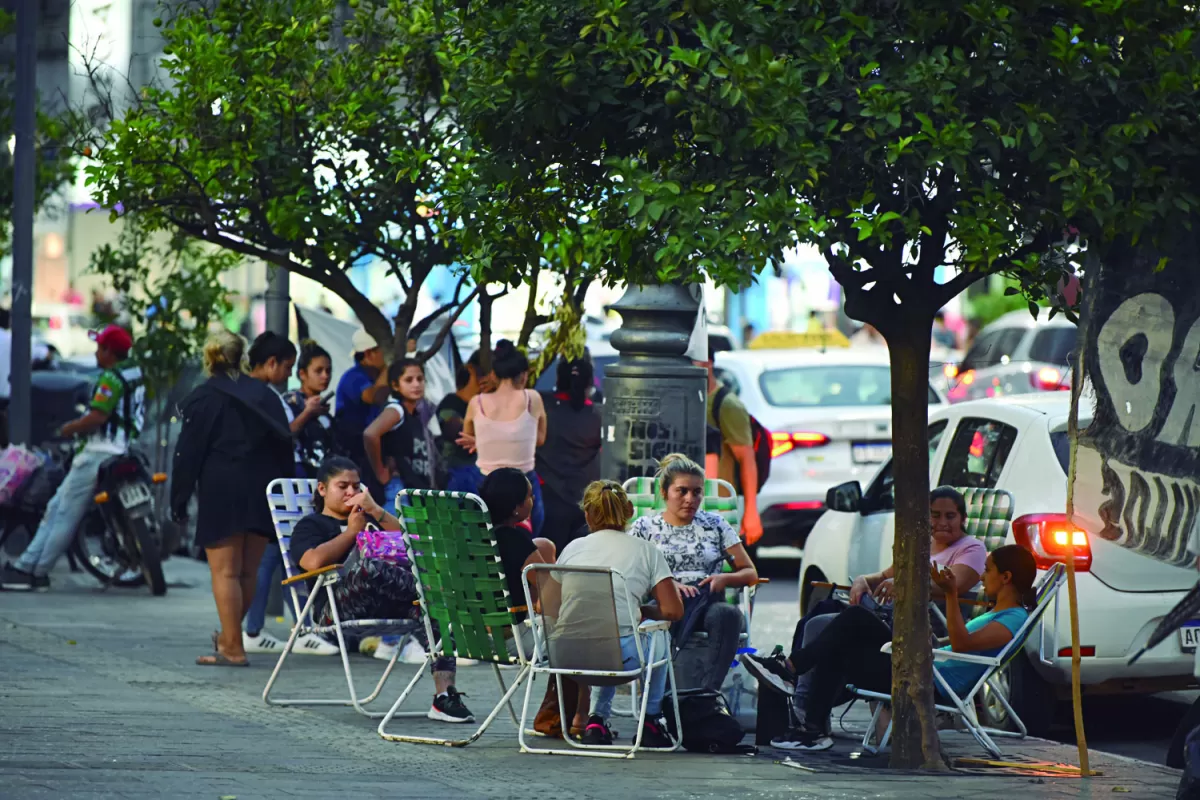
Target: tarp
1139	459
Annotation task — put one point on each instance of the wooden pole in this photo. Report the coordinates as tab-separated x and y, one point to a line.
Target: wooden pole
1073	438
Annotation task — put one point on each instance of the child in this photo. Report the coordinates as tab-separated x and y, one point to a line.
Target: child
399	444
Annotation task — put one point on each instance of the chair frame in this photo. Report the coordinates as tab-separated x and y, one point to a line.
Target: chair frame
436	647
646	663
326	579
964	706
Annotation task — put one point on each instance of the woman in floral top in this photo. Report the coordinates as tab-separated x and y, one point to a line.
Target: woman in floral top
696	545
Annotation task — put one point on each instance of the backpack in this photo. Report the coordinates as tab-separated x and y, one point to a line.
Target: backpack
708	727
760	436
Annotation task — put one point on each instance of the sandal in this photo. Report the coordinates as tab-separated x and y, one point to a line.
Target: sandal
220	660
216	637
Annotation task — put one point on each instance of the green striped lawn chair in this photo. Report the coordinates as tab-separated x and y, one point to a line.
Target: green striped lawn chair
989	514
719	498
464	589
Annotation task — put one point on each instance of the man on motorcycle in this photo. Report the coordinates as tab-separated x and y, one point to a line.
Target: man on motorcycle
113	420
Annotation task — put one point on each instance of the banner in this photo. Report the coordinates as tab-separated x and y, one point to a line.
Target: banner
1138	470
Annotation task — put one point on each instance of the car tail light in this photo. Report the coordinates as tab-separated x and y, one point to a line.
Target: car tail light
1053	539
802	505
787	442
1049	379
1084	651
950	370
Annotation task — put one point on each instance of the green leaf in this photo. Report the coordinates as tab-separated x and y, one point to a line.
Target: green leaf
636	202
655	210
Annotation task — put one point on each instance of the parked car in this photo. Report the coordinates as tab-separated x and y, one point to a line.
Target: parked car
63	326
830	416
1020	444
1016	354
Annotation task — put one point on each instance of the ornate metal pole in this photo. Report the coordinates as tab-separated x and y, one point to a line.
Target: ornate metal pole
654	396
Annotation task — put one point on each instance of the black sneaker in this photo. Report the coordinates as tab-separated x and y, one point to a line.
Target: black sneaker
16	580
771	671
449	707
655	734
802	739
597	731
41	583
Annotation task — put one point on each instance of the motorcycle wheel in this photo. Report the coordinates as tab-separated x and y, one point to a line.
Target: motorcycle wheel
150	552
88	549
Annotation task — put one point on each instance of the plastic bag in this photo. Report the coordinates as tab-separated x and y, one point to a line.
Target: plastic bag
17	465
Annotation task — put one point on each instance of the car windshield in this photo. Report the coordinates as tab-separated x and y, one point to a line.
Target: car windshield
842	385
1053	345
829	385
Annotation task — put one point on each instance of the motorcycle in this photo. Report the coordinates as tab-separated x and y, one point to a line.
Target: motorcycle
119	541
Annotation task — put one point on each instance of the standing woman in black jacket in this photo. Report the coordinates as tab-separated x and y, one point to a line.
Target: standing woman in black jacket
234	441
569	459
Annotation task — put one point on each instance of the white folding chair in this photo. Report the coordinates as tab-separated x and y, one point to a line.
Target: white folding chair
291	499
963	706
579	638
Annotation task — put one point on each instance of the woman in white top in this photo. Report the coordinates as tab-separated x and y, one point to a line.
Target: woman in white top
697	545
505	427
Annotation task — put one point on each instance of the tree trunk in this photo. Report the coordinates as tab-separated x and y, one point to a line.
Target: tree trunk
914	725
485	331
532	318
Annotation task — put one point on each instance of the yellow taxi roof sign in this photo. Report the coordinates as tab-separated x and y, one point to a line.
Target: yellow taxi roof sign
787	340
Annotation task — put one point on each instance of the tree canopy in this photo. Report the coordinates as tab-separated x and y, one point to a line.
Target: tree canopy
693	137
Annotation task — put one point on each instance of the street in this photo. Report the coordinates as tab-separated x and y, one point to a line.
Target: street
102	700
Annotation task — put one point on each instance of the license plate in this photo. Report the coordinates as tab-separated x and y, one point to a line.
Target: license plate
870	452
134	495
1189	636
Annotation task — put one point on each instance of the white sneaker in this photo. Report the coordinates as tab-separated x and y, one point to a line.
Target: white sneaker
412	652
313	645
262	643
384	651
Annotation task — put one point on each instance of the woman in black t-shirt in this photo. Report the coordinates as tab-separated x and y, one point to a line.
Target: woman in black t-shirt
313	426
367	588
509	498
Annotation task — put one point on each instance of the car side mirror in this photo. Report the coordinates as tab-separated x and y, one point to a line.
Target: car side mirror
847	497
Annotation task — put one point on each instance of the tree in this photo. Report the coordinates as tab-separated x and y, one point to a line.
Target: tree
55	166
704	136
302	133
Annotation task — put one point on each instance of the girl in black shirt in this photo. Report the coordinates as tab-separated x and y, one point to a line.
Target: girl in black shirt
399	444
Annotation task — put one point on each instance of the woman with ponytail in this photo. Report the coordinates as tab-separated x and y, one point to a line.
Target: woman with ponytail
570	458
313	425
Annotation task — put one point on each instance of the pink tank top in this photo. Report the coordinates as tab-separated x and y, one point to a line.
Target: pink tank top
508	443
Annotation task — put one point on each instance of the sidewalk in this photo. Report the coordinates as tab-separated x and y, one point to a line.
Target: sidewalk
100	698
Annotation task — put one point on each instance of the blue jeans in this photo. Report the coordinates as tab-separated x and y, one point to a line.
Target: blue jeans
256	615
393	488
63	514
654	647
464	479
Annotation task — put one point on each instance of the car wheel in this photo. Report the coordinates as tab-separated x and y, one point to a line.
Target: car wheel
1034	700
1190	721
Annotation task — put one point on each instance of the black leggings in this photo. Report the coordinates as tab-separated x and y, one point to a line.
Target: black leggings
846	652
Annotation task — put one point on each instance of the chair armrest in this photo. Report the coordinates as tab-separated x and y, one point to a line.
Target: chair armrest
950	655
649	625
310	574
760	581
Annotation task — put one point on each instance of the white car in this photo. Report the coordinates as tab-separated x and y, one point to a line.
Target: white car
1017	354
830	417
64	327
1020	444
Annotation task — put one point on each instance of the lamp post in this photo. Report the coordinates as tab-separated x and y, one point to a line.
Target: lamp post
654	397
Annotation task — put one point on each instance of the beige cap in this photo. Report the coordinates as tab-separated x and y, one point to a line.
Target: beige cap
362	342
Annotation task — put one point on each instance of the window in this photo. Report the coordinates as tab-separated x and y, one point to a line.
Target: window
977	454
1053	345
841	385
992	347
881	494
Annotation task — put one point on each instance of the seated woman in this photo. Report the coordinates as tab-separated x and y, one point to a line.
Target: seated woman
950	548
646	576
509	498
848	650
696	545
368	588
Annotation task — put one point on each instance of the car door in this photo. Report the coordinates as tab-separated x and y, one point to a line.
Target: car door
874	529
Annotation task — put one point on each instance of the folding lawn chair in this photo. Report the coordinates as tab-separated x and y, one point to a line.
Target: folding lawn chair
964	706
290	500
463	588
580	638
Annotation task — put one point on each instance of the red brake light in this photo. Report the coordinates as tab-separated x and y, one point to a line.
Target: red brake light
802	505
1085	650
950	370
1053	539
125	468
787	442
1049	379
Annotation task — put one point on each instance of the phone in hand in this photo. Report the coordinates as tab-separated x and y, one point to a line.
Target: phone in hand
327	395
